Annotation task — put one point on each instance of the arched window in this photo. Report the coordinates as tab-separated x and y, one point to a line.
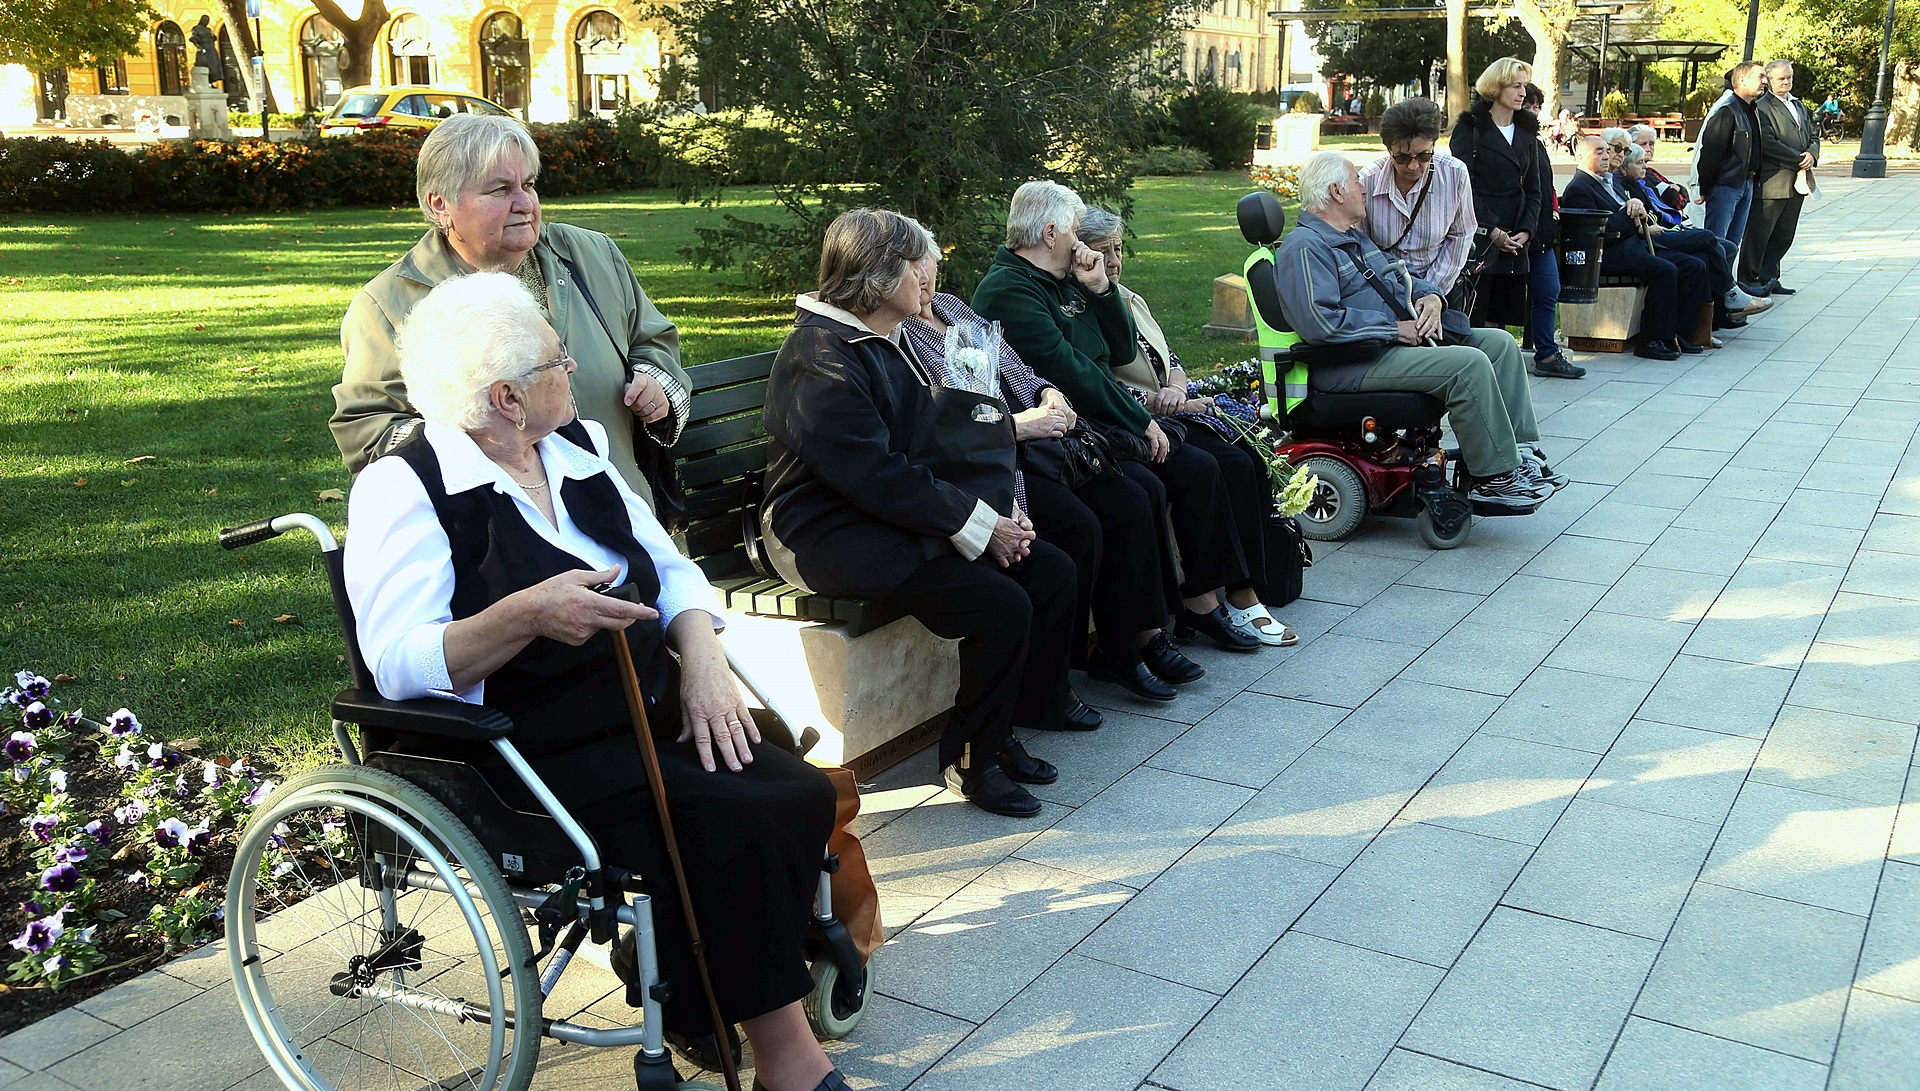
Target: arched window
602	63
320	47
410	53
170	57
1212	71
504	60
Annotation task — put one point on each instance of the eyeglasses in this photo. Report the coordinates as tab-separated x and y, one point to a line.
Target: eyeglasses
1409	158
564	361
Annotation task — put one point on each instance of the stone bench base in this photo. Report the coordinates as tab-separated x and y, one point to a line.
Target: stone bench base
1609	325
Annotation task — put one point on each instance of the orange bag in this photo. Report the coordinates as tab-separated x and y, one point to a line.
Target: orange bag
855	900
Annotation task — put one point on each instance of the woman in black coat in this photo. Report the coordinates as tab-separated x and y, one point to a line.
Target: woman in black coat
854	508
1496	141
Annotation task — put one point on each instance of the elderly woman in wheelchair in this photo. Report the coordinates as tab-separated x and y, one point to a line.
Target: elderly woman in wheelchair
482	548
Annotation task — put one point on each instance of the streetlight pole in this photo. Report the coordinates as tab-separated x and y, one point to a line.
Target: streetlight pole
259	68
1753	28
1872	160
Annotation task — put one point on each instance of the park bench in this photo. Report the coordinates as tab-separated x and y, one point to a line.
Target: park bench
879	680
1612	324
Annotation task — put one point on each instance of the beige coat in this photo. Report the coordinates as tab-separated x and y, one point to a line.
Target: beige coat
1139	372
371	411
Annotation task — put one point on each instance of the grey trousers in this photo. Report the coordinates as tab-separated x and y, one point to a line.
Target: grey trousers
1484	386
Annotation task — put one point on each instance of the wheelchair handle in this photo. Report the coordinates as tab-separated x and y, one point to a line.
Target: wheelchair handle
261	530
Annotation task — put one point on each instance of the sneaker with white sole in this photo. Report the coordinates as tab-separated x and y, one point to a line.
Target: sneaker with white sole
1531	479
1532	457
1506	491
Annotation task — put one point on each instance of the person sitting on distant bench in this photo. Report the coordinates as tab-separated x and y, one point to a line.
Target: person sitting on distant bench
1676	283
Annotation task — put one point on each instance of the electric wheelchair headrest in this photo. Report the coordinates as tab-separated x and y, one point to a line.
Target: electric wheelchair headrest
1262	219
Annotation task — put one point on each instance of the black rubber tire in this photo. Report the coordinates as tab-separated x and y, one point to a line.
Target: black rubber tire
828	1021
1430	534
1339	504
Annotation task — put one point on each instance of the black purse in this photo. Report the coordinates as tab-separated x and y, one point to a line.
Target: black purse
969	446
1288	558
1079	457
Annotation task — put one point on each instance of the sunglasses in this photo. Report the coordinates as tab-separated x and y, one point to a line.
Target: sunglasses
1406	159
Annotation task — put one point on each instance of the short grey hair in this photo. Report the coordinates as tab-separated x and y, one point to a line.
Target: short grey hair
1615	134
1778	63
469	333
1321	172
1635	154
1038	205
1635	132
1098	225
459	152
865	255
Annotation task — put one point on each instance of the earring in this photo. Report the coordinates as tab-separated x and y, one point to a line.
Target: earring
521	423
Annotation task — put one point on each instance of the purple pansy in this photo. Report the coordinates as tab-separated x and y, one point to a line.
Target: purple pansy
159	757
100	830
133	811
60	878
259	795
210	774
38	717
19	746
35	687
43	826
171	834
39	935
57	781
124	724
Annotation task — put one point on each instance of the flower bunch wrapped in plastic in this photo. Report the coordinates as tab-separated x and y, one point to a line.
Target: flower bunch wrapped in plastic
973	358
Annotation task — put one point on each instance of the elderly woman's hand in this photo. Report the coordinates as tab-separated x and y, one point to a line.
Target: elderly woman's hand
1089	268
1051	396
566	608
1166	401
647	398
1041	422
1012	540
712	713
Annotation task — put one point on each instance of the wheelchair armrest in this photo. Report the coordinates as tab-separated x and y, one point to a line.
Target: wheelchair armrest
422	716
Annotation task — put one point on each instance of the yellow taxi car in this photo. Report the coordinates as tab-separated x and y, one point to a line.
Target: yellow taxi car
408	107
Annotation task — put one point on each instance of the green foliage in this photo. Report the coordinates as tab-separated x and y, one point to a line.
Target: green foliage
934	109
1219	124
71	33
1834	44
246	119
1375	104
1393	52
1700	100
1616	105
1167	159
1309	103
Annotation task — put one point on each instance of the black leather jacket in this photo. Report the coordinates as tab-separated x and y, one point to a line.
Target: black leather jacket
1729	146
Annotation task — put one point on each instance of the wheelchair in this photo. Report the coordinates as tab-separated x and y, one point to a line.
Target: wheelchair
378	911
1375	453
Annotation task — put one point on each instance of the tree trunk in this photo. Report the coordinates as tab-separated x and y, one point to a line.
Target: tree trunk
1549	31
361	37
242	29
1457	100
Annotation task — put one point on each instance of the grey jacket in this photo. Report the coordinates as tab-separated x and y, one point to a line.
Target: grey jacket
1325	299
1783	139
371	411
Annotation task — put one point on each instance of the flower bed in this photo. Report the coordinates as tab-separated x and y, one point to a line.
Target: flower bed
120	853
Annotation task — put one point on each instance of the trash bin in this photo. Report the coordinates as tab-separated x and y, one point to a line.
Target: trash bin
1581	231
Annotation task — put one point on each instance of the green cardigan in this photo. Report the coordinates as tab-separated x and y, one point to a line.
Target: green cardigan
1076	352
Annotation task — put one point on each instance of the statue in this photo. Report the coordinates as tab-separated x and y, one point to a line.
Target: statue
206	50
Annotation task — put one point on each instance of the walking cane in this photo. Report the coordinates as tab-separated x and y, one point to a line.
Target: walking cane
637	705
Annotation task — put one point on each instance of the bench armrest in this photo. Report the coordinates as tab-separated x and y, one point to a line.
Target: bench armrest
423	716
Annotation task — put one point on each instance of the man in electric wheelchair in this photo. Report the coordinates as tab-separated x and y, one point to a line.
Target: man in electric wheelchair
1337	289
481	548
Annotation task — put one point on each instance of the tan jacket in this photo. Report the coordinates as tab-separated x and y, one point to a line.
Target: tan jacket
1140	372
371	412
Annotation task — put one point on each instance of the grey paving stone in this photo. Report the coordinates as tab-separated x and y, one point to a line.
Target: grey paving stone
1718	437
54	1039
1841	477
1864	452
1479	571
1854	511
1747	483
1893	534
1505	788
1877	1047
1664	593
1835	754
1686	462
1728	514
1136	829
1408	615
1715	695
1326	807
1568	708
896	1042
1418	891
1614	867
1535	998
1210	917
1711	552
1658	489
1311	1016
1412	723
1807	848
1538	605
1677	771
1338	670
1807	543
1090	761
1248	740
1759	970
1588	560
1623	521
1891	575
1654	1056
1408	1071
1083	1024
1625	647
1483	658
936	849
1353	578
1890	961
1768	615
40	1081
153	1050
1861	681
144	997
982	946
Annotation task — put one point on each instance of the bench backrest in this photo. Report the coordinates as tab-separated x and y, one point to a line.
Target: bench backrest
720	453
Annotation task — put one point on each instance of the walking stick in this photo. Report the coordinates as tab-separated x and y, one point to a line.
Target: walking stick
637	705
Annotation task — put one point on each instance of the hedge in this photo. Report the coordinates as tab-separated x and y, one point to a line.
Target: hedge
370	168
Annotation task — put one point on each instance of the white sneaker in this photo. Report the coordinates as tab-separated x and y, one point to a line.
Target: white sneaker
1527	477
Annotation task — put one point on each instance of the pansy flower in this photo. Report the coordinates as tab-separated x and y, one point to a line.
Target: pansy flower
19	745
100	830
259	795
39	935
171	834
124	724
43	826
73	852
60	878
35	687
38	717
57	780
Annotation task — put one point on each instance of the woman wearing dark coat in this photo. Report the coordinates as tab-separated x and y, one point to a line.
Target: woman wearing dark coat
1496	141
854	510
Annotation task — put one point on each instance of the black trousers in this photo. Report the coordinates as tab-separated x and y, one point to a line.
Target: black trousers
1249	496
1676	286
1770	232
1112	529
1210	551
1706	246
1013	626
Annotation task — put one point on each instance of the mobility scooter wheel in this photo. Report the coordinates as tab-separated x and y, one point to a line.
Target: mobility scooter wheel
1339	502
1431	533
827	1006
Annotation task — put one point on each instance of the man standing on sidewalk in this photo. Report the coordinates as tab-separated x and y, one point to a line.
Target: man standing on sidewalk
1729	156
1789	149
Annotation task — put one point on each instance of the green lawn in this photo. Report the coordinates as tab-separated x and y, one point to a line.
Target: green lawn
164	376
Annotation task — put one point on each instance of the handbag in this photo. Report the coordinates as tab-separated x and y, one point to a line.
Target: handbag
970	445
1079	457
1124	444
1288	558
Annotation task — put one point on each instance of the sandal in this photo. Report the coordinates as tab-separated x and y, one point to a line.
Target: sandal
1270	631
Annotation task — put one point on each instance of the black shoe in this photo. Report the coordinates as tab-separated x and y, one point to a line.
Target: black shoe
700	1051
1557	366
1729	322
1079	716
1757	291
1167	664
834	1081
1216	627
1655	350
1024	767
1774	287
990	789
1688	347
1138	679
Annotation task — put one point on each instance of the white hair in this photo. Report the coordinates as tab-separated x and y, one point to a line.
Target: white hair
1321	172
460	151
1635	154
1038	205
468	333
1614	133
1635	132
1099	225
1778	63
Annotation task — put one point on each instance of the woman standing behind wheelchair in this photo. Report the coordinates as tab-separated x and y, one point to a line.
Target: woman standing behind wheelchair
1496	141
477	546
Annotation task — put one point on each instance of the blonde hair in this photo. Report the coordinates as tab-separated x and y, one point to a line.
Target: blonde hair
1502	73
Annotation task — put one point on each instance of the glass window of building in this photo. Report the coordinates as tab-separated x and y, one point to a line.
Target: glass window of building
410	53
170	58
320	48
602	64
504	59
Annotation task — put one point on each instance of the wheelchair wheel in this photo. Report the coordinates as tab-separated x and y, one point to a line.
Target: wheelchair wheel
830	1018
1430	531
1339	502
374	944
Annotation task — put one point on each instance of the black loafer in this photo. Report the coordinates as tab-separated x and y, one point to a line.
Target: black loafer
1024	767
1079	716
1167	664
990	789
1730	322
700	1050
1776	288
1654	350
1215	627
1688	347
1137	679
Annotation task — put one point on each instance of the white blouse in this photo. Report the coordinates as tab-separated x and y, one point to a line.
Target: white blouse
399	564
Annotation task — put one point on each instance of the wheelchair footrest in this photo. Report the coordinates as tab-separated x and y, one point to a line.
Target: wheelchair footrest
1493	511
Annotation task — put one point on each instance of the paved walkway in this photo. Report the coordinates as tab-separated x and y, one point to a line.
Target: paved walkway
1610	797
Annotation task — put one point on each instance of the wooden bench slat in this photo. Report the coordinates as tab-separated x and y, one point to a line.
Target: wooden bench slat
724	372
726	401
698	472
706	437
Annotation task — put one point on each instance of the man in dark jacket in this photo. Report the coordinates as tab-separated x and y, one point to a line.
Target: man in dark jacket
1730	157
1543	272
1676	283
1789	150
